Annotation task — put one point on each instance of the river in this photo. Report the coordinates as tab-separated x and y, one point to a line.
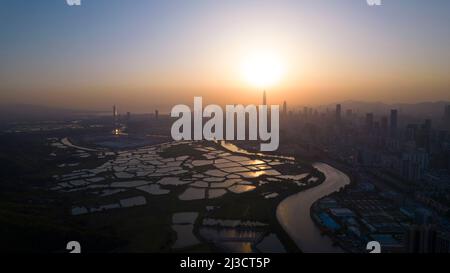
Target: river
293	213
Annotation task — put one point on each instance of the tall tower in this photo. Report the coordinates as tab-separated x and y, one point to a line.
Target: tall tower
369	122
128	117
114	116
264	98
384	124
394	121
447	116
338	113
447	112
284	109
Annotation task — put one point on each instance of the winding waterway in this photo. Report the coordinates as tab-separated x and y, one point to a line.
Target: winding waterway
293	213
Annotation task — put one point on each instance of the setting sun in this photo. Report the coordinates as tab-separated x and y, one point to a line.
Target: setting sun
262	69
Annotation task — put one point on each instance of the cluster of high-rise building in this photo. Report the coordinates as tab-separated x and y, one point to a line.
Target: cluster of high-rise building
410	152
120	123
404	149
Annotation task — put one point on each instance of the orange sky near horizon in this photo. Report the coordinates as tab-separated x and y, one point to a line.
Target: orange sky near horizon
142	56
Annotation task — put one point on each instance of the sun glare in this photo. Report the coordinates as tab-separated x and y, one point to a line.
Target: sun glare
262	69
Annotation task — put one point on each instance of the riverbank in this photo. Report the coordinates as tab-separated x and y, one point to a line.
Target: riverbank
293	213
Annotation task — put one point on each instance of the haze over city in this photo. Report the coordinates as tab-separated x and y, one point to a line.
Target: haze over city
226	126
155	54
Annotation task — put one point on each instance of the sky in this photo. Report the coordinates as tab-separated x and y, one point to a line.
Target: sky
143	54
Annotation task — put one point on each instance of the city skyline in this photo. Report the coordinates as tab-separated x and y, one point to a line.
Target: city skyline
153	55
238	126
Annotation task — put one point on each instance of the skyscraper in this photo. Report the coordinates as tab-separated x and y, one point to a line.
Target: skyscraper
349	113
421	239
284	109
447	116
384	125
128	118
338	113
114	121
114	116
393	122
156	114
264	98
369	122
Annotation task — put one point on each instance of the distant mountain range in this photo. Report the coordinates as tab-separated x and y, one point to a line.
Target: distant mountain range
422	109
22	112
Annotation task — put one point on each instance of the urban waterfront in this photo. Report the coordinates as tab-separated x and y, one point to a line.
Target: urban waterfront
294	214
225	127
